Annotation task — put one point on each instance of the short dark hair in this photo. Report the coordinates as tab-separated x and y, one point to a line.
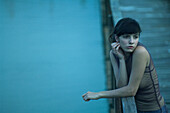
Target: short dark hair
125	26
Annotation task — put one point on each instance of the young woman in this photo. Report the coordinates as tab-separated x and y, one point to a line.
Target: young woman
133	69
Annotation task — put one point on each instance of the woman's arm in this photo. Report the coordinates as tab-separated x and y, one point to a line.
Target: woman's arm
139	62
119	72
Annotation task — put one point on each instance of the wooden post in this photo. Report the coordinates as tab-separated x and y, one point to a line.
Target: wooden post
110	16
106	26
128	104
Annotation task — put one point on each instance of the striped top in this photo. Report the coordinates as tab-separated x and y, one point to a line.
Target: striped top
148	96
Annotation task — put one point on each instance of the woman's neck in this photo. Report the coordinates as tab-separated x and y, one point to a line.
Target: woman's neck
127	55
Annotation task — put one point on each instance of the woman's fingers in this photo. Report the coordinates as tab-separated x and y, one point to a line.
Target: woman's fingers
84	94
114	44
90	96
86	98
117	48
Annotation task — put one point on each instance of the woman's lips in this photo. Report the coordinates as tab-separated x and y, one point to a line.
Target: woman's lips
130	47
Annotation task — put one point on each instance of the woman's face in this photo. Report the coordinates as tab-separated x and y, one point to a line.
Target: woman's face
128	42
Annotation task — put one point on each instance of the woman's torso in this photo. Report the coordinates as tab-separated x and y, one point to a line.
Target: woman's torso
148	96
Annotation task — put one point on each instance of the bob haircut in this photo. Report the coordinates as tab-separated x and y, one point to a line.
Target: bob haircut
125	26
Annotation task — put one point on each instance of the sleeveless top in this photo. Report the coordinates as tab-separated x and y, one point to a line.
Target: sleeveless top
148	96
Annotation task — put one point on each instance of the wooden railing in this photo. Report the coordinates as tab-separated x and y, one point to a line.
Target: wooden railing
128	104
111	14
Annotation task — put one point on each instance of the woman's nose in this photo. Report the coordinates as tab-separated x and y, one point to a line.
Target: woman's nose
131	41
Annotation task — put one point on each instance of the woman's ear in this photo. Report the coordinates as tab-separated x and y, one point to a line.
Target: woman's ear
116	38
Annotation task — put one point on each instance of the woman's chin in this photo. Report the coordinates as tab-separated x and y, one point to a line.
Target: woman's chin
129	50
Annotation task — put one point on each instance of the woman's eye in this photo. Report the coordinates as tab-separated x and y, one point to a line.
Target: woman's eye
135	37
125	36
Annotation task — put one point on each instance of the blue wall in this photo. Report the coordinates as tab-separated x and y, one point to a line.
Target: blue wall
51	52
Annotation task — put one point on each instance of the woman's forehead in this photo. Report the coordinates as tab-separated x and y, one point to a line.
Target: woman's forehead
131	34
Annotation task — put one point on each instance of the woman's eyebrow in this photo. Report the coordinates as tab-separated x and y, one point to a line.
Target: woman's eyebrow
131	34
136	34
126	35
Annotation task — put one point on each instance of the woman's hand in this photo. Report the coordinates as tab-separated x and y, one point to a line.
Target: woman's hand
90	96
118	52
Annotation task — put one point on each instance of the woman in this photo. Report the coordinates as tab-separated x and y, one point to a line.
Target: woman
133	69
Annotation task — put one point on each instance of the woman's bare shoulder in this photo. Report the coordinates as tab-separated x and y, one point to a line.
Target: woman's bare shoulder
141	52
